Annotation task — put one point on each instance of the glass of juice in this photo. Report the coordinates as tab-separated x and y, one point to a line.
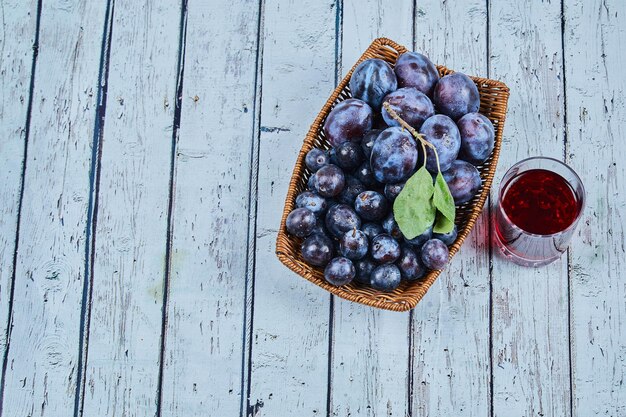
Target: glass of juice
539	204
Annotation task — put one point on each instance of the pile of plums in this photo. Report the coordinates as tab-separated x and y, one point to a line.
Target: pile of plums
346	215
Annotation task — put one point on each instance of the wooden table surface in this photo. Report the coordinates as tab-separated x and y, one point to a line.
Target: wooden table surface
145	153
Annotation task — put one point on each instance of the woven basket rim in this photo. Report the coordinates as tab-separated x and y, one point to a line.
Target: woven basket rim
389	301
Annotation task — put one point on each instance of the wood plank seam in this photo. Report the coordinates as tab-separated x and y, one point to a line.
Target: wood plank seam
170	199
569	253
92	206
29	109
331	304
246	352
489	231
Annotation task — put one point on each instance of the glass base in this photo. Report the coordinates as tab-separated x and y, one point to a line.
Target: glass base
516	259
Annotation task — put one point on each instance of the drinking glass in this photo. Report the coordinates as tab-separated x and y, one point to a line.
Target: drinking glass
522	246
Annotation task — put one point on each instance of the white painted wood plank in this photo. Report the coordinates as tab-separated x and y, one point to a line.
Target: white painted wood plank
530	315
451	369
43	353
18	18
595	35
370	348
130	237
207	297
290	320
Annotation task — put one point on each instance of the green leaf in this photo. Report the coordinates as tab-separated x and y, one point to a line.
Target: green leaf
442	199
414	209
443	224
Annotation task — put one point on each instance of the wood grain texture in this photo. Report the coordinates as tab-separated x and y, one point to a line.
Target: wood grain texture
450	352
43	352
369	375
130	236
289	361
18	22
204	347
595	35
530	306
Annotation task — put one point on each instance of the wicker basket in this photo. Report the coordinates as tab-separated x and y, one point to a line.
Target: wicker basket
493	104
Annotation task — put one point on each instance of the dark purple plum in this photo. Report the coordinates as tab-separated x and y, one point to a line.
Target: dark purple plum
372	230
329	181
411	105
379	122
365	174
352	188
419	240
364	268
435	254
368	141
312	201
442	132
311	183
410	264
317	249
447	238
385	249
416	70
348	122
463	181
320	228
385	278
340	219
300	222
372	80
371	205
455	95
390	226
393	190
477	138
349	156
339	271
353	244
394	155
316	158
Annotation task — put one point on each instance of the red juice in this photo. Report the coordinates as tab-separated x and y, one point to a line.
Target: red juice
541	202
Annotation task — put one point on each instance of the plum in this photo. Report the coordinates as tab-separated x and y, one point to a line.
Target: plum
447	238
317	249
349	155
477	138
339	271
371	205
341	218
410	104
329	181
353	244
372	80
419	240
352	188
364	268
416	70
316	158
443	133
365	174
393	190
463	181
385	249
410	264
348	122
394	155
368	141
435	254
390	226
385	278
455	95
372	230
300	222
312	201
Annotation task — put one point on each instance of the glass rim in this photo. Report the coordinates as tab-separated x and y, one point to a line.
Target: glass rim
567	167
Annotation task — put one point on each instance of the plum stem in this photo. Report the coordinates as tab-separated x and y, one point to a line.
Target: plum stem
413	132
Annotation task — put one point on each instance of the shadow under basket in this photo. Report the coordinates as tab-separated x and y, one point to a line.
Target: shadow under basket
494	96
